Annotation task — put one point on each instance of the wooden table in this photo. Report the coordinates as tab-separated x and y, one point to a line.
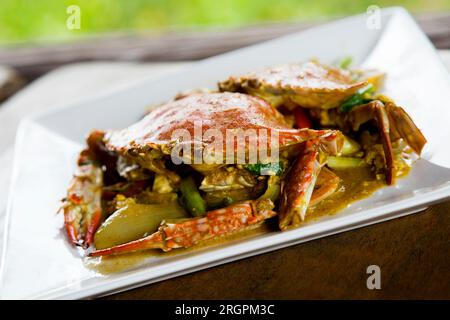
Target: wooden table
412	252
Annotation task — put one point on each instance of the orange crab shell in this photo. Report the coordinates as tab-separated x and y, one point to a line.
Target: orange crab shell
308	84
225	112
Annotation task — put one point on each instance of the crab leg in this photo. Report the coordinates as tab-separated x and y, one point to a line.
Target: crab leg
297	191
377	111
83	205
402	126
326	184
394	123
188	232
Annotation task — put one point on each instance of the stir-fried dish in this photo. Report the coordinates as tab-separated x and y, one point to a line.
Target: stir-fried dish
305	138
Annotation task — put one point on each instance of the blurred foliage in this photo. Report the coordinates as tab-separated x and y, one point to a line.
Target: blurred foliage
45	20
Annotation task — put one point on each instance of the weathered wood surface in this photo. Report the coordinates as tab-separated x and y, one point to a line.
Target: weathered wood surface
33	61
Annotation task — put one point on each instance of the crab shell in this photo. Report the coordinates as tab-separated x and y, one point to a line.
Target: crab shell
308	84
196	114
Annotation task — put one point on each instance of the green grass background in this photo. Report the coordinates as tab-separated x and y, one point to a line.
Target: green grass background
45	20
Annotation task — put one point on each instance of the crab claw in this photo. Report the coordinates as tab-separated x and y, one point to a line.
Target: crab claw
375	110
188	232
393	123
331	141
82	206
326	184
298	189
402	126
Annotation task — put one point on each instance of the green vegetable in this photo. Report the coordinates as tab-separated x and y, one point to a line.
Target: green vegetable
272	168
346	62
224	198
350	146
150	197
192	200
215	201
360	97
273	189
345	162
133	221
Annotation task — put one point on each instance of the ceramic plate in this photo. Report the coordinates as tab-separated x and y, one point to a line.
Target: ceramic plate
37	261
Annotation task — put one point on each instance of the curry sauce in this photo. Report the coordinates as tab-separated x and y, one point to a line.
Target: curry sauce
356	184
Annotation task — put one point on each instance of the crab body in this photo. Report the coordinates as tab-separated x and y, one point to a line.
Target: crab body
249	117
147	148
309	84
337	94
197	119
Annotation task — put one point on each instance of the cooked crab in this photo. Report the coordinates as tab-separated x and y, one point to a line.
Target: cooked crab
309	84
158	155
212	155
334	97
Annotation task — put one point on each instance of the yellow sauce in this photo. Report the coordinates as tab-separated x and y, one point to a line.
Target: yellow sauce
113	264
356	184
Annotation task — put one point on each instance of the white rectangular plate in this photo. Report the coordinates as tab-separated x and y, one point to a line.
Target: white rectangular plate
38	263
